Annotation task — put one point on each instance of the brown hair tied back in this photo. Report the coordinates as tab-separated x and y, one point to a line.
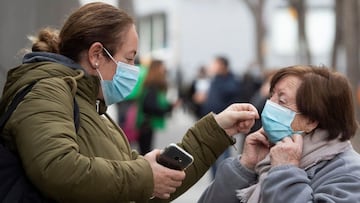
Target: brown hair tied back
94	22
46	41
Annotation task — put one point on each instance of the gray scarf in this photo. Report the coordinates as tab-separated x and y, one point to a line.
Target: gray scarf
315	149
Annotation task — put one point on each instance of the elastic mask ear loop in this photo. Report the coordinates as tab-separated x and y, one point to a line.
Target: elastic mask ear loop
97	70
108	53
101	80
301	132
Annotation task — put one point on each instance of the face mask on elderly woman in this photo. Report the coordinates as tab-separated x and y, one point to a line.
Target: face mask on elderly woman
276	121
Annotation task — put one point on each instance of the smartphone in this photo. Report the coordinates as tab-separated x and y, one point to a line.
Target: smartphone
175	157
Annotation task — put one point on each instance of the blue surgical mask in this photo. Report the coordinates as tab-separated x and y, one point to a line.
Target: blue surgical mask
122	84
276	121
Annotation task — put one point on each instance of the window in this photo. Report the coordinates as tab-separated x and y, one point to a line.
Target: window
152	32
320	30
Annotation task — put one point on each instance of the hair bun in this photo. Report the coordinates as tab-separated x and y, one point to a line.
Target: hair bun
46	41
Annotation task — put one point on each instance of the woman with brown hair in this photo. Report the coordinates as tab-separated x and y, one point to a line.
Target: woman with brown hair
153	105
303	152
91	61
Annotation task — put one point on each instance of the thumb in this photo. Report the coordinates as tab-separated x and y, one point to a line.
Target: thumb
297	138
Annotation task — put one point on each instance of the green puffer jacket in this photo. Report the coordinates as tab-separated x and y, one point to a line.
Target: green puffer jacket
96	164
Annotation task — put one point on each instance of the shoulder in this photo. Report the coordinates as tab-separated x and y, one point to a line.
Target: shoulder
344	164
54	86
349	161
49	94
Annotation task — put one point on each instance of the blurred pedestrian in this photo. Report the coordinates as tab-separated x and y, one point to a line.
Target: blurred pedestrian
198	90
128	108
153	105
250	82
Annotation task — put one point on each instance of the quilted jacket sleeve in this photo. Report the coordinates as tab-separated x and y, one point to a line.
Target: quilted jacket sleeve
205	141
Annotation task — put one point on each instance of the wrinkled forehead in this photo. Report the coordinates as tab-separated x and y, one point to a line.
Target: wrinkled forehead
288	83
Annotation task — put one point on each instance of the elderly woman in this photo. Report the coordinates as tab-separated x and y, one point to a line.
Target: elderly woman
302	153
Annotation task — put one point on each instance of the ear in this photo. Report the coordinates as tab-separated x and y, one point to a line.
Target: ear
311	125
95	54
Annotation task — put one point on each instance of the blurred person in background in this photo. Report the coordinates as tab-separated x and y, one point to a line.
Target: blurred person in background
91	61
127	109
303	152
153	105
250	82
224	90
198	90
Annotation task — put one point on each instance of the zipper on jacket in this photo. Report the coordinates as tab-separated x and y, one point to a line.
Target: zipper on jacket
97	105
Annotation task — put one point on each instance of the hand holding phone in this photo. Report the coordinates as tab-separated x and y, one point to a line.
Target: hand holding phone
175	157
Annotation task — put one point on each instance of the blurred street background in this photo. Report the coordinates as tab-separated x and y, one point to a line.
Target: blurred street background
255	35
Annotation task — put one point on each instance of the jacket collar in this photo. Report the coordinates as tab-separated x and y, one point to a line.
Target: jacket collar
50	57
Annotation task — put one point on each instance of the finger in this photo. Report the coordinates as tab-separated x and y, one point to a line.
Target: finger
162	196
287	140
262	131
245	124
245	115
253	109
249	123
297	138
156	152
174	183
166	196
247	107
263	139
257	137
170	190
176	175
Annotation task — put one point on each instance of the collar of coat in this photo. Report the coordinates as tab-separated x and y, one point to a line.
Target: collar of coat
41	65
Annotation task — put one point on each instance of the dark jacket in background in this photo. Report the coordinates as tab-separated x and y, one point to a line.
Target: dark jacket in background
224	90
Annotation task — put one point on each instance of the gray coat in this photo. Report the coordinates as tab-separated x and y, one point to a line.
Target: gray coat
337	180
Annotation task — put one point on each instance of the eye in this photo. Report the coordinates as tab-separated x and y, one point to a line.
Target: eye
130	60
282	101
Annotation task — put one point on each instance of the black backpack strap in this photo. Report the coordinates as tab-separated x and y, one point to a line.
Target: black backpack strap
20	96
15	102
76	115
